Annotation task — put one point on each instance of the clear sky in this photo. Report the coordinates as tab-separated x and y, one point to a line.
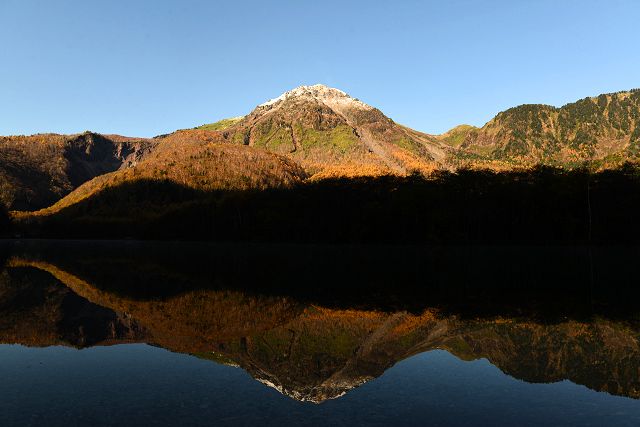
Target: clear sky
143	68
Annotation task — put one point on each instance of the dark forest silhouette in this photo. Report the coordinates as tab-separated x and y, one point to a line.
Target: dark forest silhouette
476	280
5	222
542	205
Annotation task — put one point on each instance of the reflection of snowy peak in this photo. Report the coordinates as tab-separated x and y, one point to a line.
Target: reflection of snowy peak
317	393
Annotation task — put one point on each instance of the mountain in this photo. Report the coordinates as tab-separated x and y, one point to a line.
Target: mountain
604	130
328	132
38	170
313	132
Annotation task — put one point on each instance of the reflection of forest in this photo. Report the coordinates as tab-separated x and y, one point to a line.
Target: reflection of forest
307	350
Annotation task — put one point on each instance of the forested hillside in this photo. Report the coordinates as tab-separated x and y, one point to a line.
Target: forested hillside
603	131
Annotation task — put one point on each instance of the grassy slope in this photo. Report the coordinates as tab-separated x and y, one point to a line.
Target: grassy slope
457	136
220	125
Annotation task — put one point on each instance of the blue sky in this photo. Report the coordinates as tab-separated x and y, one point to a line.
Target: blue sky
143	68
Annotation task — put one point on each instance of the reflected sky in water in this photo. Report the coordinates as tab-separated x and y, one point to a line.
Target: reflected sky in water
143	385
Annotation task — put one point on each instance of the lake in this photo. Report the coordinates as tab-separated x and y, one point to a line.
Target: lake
130	333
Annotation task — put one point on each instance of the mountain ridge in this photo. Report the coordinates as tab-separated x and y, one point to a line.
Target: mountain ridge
328	134
603	129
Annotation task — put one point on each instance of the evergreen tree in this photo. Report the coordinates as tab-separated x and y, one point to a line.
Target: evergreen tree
4	220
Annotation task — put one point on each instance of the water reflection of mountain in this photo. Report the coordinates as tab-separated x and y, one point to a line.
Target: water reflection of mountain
308	349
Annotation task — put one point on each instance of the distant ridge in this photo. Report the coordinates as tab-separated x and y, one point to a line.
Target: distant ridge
603	130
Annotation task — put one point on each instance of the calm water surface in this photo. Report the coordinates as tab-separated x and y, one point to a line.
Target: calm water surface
179	334
141	385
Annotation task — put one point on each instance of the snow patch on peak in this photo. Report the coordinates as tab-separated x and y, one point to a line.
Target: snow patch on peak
329	389
330	96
